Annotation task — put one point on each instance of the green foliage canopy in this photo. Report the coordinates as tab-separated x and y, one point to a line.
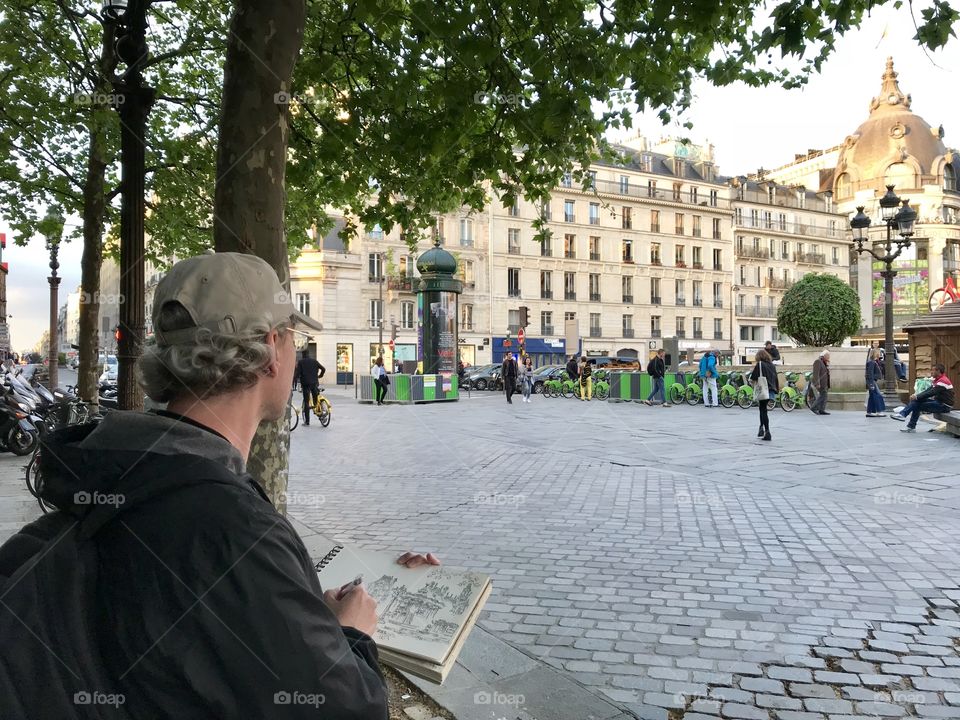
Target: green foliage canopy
819	310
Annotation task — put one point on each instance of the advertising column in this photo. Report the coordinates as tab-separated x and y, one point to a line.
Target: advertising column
438	302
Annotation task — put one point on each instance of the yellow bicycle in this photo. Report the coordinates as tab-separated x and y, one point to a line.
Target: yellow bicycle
322	408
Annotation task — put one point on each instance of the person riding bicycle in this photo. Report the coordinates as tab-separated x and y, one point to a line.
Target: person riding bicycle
309	372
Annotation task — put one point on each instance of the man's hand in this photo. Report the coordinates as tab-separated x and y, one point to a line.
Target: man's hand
355	609
412	559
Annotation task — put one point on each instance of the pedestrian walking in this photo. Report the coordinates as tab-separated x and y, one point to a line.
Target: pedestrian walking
873	373
707	372
526	375
380	380
308	374
657	369
766	386
508	373
938	398
573	371
586	379
821	381
773	350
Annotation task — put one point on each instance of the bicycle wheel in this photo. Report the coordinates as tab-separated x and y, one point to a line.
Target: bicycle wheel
602	391
787	401
294	416
744	398
324	414
676	394
810	398
691	395
939	298
772	403
567	390
728	397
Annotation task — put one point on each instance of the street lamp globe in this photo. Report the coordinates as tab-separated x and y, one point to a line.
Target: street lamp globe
52	226
905	219
113	10
888	204
860	223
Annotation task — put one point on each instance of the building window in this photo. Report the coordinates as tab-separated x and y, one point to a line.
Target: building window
376	313
513	282
406	315
568	211
697	231
678	227
655	326
681	327
626	285
513	321
714	197
754	218
594	247
716	228
717	259
546	247
303	303
698	327
628	326
570	246
569	316
546	285
677	191
437	230
626	217
743	274
594	213
567	180
717	329
738	217
466	232
624	184
594	287
595	325
546	323
949	178
767	219
680	292
546	213
515	208
655	291
785	250
694	194
655	221
718	295
651	188
680	256
832	228
466	317
835	256
513	241
592	181
466	271
628	251
375	265
655	254
697	293
569	286
697	257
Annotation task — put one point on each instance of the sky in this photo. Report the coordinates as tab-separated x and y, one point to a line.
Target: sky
750	128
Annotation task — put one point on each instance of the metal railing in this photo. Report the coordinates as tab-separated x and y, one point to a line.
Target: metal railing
654	300
778	283
756	311
546	330
655	333
569	296
810	258
594	297
628	332
595	332
749	252
628	299
546	294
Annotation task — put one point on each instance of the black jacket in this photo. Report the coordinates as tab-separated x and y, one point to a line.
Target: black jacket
941	391
170	580
873	372
656	367
308	371
573	370
509	368
769	371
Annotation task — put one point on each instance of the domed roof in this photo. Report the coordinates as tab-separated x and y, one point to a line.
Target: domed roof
437	260
893	146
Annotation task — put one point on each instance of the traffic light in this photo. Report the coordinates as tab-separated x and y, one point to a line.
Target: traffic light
524	316
393	331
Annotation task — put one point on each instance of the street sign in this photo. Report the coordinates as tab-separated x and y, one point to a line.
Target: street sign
521	335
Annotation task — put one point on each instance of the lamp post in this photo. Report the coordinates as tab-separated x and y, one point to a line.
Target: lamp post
734	289
383	258
53	230
126	19
903	219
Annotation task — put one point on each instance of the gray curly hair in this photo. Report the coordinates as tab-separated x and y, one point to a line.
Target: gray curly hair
214	365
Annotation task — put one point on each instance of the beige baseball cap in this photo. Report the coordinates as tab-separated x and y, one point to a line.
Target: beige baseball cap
227	293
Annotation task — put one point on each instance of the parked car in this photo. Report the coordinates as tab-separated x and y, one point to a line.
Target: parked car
110	368
478	377
544	373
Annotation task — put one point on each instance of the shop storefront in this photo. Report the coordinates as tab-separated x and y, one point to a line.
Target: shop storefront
344	363
543	352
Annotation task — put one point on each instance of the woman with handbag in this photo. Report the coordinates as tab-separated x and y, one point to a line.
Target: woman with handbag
526	375
765	386
380	380
873	374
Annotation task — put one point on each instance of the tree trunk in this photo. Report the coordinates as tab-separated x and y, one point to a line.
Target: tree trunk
94	206
264	42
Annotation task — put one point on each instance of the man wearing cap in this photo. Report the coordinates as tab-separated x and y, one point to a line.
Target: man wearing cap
165	583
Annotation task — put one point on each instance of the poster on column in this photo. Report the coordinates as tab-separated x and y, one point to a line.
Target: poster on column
442	319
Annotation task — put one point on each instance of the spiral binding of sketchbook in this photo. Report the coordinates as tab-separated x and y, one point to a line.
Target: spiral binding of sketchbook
424	614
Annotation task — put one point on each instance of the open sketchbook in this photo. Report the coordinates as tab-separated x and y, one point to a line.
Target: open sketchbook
424	614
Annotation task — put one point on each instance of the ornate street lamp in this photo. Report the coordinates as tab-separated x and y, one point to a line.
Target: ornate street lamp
125	20
903	219
53	232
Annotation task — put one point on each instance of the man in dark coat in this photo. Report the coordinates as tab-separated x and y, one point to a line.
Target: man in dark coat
166	584
508	373
573	370
308	373
821	381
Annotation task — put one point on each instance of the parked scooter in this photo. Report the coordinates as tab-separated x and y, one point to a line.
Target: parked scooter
18	433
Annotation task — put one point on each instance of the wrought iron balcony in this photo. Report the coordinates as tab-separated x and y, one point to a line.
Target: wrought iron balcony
628	332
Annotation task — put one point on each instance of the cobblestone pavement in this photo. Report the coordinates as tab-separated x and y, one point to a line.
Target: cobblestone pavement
667	557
